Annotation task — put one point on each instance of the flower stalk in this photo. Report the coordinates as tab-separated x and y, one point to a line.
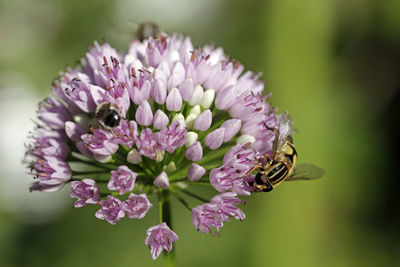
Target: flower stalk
165	216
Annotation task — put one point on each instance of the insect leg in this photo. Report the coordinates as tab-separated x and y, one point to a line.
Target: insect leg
258	167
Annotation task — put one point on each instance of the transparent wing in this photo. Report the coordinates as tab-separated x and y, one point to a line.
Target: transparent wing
306	171
283	131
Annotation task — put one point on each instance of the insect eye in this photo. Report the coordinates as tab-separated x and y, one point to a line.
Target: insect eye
258	178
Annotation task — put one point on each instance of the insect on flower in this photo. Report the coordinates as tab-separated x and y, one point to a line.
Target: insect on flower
147	30
108	116
281	166
170	118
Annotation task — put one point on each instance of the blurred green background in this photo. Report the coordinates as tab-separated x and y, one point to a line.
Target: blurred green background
334	64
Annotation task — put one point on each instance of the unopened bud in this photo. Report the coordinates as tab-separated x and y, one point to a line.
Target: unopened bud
134	157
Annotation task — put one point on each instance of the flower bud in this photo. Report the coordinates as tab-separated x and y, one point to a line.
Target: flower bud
196	110
171	167
162	180
225	98
190	138
203	121
208	98
174	100
190	120
232	127
194	152
165	69
197	95
187	89
178	75
196	172
160	120
144	114
138	95
214	139
179	117
159	74
134	157
159	92
159	155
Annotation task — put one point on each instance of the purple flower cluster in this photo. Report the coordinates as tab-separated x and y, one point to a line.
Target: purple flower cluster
173	108
219	210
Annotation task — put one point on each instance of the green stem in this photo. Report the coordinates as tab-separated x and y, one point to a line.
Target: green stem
80	179
72	158
89	172
181	199
149	165
165	216
170	259
198	183
193	195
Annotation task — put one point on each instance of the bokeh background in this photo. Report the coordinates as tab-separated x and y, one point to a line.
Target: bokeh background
334	64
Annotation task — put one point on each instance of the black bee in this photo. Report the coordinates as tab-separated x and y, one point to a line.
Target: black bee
107	116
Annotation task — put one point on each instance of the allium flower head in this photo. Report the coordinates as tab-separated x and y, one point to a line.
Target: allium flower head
172	117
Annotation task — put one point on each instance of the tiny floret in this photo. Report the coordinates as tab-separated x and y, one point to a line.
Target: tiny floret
86	191
160	237
110	210
122	180
136	206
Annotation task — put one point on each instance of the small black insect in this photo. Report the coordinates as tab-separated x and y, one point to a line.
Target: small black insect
147	30
107	116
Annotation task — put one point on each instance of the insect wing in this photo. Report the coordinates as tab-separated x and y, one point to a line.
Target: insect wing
306	171
284	129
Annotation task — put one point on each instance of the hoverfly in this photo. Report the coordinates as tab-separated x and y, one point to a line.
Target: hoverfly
281	165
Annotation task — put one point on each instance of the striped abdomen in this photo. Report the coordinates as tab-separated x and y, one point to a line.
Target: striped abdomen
278	172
